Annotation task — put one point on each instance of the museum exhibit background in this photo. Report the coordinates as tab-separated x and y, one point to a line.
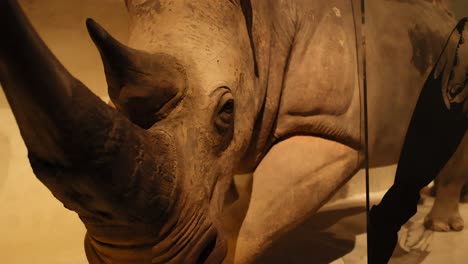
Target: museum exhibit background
35	228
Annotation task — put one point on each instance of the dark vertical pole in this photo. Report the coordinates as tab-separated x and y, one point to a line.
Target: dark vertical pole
361	57
366	117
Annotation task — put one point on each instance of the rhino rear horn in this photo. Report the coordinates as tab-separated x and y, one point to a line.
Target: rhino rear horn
117	58
143	86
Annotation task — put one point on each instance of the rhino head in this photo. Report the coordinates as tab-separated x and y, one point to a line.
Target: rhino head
148	176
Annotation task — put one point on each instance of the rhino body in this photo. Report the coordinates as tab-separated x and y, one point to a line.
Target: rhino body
211	89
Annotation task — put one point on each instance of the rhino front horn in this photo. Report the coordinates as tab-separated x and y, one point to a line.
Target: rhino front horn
90	156
143	86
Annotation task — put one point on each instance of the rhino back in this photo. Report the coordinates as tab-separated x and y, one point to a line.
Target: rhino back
321	95
405	39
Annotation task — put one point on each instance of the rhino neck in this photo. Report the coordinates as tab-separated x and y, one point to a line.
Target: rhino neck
272	36
188	237
100	252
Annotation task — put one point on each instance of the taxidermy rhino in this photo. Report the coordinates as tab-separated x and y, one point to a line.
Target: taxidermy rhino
208	89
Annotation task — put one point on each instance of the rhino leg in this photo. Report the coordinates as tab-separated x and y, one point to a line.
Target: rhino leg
291	183
464	194
445	215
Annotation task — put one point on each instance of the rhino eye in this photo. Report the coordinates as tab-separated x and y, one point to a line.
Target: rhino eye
228	107
225	113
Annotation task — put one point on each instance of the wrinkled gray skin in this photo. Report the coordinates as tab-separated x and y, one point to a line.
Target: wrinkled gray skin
201	93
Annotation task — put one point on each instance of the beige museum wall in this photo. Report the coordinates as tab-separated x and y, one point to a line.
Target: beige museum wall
34	227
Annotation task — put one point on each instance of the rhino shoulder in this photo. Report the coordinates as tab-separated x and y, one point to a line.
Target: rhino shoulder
320	95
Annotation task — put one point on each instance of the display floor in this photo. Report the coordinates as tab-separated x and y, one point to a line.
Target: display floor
337	234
